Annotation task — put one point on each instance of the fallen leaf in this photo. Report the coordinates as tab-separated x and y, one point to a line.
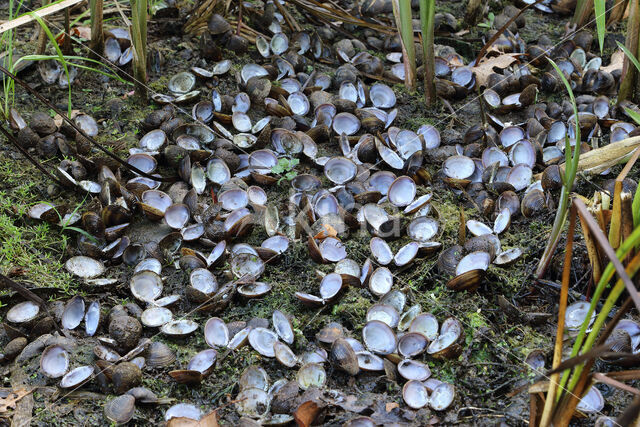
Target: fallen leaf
9	402
306	413
486	68
209	420
327	231
82	32
390	406
617	60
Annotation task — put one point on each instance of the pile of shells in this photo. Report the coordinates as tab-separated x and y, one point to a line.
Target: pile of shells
207	184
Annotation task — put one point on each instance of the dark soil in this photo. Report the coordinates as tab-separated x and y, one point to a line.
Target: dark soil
490	376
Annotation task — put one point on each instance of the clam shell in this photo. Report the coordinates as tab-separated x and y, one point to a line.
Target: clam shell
311	374
84	267
203	361
380	251
442	397
73	313
216	333
381	281
252	402
284	355
283	327
120	410
254	376
146	285
54	361
368	361
415	394
183	410
384	313
458	167
379	338
262	341
154	317
576	314
413	370
382	96
23	312
179	328
425	324
402	191
77	376
92	318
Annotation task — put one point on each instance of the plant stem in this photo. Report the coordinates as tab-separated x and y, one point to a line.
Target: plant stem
583	10
66	40
427	13
629	73
42	37
572	158
402	14
621	253
97	35
609	304
139	41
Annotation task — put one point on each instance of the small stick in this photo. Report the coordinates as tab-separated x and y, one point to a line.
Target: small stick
502	30
240	17
5	282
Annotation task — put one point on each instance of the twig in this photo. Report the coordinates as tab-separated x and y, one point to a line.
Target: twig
502	30
80	131
42	12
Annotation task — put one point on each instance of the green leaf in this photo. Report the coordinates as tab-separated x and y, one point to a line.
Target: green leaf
290	175
633	114
635	208
601	25
630	55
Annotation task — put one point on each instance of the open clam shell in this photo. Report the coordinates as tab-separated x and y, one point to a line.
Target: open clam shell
262	341
179	328
146	285
154	317
216	333
381	281
384	313
379	338
73	313
54	361
77	377
402	191
23	312
311	374
415	394
442	397
413	370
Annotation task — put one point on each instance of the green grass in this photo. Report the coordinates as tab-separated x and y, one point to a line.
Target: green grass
35	247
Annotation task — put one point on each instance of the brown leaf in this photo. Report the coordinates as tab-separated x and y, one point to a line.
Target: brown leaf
209	420
390	406
306	413
617	60
82	32
9	402
486	68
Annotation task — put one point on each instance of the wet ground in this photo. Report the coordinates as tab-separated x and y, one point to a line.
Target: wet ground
490	377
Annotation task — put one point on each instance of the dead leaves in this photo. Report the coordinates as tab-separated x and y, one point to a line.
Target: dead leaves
306	413
9	402
209	420
486	68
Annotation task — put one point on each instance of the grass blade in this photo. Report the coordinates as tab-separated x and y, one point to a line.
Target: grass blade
630	55
571	169
601	25
52	39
